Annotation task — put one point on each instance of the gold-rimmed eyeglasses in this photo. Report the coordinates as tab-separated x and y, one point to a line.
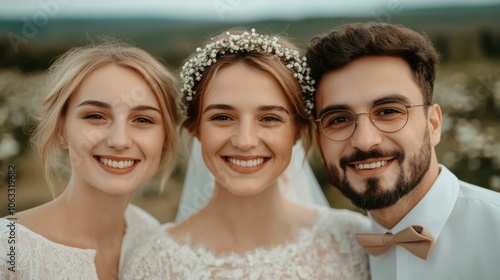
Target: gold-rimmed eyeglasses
339	125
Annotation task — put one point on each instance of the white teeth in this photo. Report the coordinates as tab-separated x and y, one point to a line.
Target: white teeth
372	165
246	163
116	164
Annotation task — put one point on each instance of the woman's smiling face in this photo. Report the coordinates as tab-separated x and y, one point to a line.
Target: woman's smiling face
113	131
247	129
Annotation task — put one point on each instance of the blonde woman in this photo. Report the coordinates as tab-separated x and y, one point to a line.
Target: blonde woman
110	109
247	99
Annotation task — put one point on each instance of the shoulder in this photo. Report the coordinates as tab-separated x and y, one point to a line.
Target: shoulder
14	233
137	217
10	233
342	219
140	227
480	199
3	224
162	244
152	257
340	226
335	239
478	195
468	190
34	254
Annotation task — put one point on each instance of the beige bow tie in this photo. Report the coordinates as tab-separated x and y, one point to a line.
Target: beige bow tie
415	239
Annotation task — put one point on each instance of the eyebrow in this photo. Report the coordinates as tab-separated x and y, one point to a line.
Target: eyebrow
218	107
391	97
145	108
333	108
95	103
267	108
382	100
262	108
104	105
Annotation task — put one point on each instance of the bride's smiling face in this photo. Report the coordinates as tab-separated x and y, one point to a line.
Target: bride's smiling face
247	129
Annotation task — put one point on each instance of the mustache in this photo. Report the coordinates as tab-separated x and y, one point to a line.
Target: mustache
373	154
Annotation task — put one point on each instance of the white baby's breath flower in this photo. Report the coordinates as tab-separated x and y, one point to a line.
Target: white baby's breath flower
247	42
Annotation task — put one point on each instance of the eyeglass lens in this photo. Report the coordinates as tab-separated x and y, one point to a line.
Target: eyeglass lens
339	125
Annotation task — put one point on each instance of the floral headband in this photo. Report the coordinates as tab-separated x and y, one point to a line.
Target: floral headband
247	42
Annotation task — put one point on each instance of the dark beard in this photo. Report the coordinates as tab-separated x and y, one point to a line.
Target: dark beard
374	196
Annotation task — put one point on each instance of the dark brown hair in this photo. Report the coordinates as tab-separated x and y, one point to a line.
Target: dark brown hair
351	41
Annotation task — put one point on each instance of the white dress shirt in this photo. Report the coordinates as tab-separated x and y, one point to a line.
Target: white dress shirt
465	222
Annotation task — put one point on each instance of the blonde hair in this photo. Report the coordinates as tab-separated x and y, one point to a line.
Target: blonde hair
69	71
261	61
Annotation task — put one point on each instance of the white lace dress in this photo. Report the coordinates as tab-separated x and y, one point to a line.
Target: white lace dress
327	250
39	258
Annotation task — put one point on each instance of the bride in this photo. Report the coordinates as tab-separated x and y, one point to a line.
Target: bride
247	99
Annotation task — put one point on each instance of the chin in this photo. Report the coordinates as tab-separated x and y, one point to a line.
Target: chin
120	187
250	190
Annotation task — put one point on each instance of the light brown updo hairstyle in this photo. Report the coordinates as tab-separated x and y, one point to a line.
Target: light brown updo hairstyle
68	72
262	61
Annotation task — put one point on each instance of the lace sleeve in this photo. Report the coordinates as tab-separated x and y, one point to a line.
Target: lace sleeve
8	257
140	227
40	258
345	225
147	262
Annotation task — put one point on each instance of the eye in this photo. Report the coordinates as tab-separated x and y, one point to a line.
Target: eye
220	117
144	120
337	119
271	118
93	116
388	111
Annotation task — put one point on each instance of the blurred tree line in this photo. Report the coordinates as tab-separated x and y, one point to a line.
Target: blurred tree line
30	44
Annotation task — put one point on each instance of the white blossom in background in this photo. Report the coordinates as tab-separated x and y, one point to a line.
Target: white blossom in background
19	96
451	93
8	146
469	136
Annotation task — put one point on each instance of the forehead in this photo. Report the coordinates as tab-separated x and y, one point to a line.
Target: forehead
365	80
238	84
115	84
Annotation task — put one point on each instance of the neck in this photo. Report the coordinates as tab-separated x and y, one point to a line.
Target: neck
91	215
388	217
231	223
261	209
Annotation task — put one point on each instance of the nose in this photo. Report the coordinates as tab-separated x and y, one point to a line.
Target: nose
366	136
245	135
119	135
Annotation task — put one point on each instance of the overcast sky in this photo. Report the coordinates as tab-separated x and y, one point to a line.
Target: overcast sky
218	9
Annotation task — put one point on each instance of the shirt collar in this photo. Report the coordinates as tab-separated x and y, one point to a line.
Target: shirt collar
433	210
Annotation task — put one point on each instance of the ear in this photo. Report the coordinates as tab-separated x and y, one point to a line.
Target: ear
63	141
196	134
435	122
318	141
298	135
